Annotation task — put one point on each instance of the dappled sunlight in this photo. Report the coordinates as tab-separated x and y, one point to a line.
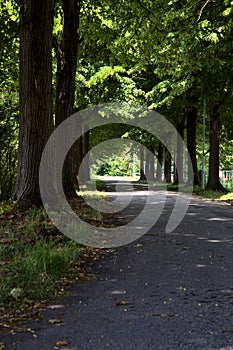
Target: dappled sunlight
93	194
219	241
219	219
203	238
134	193
189	235
206	239
118	178
228	196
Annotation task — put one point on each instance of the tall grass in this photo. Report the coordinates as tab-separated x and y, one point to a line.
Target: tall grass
30	263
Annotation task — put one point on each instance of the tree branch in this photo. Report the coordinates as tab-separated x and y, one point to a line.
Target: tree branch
202	9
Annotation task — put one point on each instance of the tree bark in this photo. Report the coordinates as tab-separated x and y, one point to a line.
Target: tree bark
179	167
167	167
77	154
142	164
85	174
150	164
35	94
67	52
215	127
159	163
191	145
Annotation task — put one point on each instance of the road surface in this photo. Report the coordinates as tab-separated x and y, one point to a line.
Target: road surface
163	291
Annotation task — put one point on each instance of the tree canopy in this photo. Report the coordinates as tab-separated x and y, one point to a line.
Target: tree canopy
170	56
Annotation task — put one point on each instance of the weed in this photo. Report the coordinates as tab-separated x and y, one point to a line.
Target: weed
30	264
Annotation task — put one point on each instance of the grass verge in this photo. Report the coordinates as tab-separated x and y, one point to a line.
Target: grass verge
214	195
205	194
37	264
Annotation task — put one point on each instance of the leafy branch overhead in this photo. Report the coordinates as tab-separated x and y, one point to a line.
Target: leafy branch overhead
169	56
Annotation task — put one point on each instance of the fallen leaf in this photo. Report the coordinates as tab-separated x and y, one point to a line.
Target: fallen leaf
55	307
30	330
81	274
55	321
123	302
62	343
16	292
38	306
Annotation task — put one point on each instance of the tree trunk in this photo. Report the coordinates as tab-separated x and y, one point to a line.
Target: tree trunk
215	127
150	164
167	167
67	52
77	153
85	173
191	145
159	163
35	90
179	167
142	164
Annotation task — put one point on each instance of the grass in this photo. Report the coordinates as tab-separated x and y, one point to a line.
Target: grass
205	194
36	262
214	195
34	271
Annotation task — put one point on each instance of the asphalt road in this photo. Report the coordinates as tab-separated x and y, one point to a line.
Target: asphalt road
163	291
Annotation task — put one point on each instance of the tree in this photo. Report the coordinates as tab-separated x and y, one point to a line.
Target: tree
213	178
36	112
67	53
142	164
167	55
191	144
159	163
167	167
201	59
180	152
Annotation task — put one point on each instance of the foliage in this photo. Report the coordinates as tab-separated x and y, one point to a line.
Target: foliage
226	153
161	54
115	166
106	84
9	49
8	147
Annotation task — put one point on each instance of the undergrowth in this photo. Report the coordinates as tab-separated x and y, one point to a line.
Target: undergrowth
36	261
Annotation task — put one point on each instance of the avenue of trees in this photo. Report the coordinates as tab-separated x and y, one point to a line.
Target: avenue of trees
61	56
